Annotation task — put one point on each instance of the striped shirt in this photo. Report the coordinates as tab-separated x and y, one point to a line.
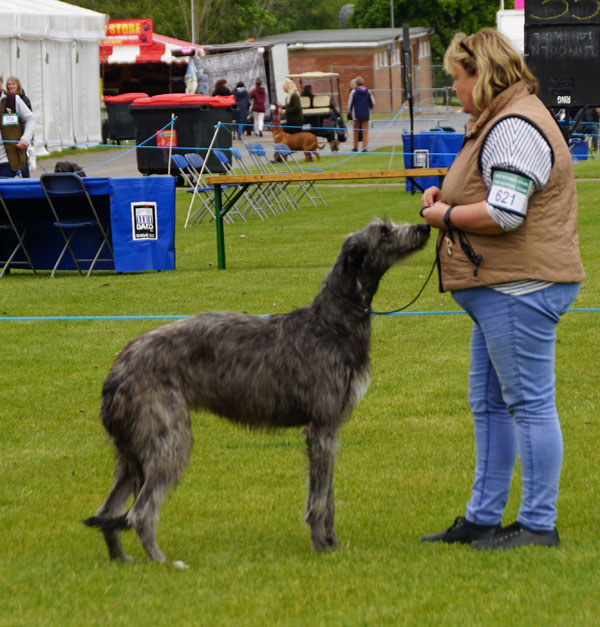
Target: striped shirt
516	146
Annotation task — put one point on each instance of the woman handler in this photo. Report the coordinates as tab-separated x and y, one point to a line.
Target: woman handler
508	250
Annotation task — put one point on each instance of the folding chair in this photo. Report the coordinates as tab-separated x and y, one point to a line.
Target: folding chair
74	210
257	190
204	192
270	191
266	166
305	188
183	169
9	227
248	195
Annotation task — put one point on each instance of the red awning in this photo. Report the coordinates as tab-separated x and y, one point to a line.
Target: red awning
159	50
184	100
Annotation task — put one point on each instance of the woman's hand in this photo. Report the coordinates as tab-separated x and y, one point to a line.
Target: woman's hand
432	208
430	196
434	214
473	218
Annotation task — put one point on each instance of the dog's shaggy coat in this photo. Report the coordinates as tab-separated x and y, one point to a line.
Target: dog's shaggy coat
306	368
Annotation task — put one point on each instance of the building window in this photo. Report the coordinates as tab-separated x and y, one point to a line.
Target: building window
424	48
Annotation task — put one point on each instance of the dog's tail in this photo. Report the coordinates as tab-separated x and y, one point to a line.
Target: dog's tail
321	147
107	524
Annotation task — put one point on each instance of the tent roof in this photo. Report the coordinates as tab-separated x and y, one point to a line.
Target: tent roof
49	19
159	51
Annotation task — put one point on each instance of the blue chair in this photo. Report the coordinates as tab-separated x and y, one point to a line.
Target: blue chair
579	149
11	229
73	211
184	169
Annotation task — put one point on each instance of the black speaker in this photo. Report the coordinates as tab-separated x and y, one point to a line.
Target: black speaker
562	49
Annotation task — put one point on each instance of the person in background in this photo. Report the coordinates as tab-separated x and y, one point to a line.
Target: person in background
360	103
294	118
13	86
242	100
588	124
258	96
17	124
221	88
508	251
307	92
352	88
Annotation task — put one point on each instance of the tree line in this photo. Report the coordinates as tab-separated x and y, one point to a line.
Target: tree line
223	21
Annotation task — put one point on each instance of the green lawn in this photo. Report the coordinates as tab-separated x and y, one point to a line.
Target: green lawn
404	467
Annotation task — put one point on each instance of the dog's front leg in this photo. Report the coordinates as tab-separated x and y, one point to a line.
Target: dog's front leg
320	508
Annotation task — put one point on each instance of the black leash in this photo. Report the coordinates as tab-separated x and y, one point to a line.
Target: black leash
385	313
364	310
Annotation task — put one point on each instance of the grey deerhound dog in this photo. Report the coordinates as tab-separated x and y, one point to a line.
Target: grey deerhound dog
306	368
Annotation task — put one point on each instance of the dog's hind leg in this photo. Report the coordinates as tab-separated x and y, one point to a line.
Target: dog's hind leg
168	458
320	506
107	517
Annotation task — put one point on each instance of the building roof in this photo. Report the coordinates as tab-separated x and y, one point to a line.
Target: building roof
332	37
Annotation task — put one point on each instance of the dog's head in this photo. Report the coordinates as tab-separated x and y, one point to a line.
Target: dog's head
68	166
276	130
369	252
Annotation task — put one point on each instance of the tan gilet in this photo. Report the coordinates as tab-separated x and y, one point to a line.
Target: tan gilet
546	245
11	134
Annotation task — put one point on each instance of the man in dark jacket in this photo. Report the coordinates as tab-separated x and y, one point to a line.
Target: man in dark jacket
360	103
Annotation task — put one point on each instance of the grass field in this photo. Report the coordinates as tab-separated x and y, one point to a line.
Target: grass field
404	467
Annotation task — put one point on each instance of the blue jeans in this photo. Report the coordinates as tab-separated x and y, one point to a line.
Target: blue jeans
511	395
6	171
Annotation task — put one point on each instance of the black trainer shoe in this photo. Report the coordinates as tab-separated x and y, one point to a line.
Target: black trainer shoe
462	531
516	535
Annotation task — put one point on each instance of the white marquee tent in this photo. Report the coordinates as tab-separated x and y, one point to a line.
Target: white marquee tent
52	47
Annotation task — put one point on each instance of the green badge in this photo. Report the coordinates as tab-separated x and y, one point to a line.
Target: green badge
510	191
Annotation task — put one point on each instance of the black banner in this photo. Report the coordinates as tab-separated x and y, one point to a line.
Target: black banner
562	49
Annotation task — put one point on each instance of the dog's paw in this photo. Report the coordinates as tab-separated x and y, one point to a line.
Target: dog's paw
181	565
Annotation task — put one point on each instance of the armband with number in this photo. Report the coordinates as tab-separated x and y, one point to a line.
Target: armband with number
510	192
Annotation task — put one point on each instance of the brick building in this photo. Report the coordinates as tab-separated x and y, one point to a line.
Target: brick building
373	53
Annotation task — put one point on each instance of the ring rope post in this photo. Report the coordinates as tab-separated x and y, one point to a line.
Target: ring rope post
189	213
173	118
219	215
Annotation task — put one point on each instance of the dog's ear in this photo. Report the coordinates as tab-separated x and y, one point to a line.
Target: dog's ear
355	255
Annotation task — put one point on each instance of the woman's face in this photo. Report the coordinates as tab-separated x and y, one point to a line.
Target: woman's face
463	87
11	86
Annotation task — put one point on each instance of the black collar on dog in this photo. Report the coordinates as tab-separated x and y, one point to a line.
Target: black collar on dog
348	301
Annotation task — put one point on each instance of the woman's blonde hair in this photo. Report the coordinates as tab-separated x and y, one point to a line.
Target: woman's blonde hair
495	61
15	80
291	86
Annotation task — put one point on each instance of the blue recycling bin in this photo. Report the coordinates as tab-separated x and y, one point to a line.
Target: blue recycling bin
432	149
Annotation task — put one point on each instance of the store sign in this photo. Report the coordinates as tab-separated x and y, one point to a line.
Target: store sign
128	32
166	139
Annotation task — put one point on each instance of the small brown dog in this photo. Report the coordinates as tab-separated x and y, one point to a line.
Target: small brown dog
304	140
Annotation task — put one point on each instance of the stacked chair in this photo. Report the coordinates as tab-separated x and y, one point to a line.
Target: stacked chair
12	235
263	200
74	211
305	188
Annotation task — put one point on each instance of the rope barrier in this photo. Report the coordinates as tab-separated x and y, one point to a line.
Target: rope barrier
179	317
